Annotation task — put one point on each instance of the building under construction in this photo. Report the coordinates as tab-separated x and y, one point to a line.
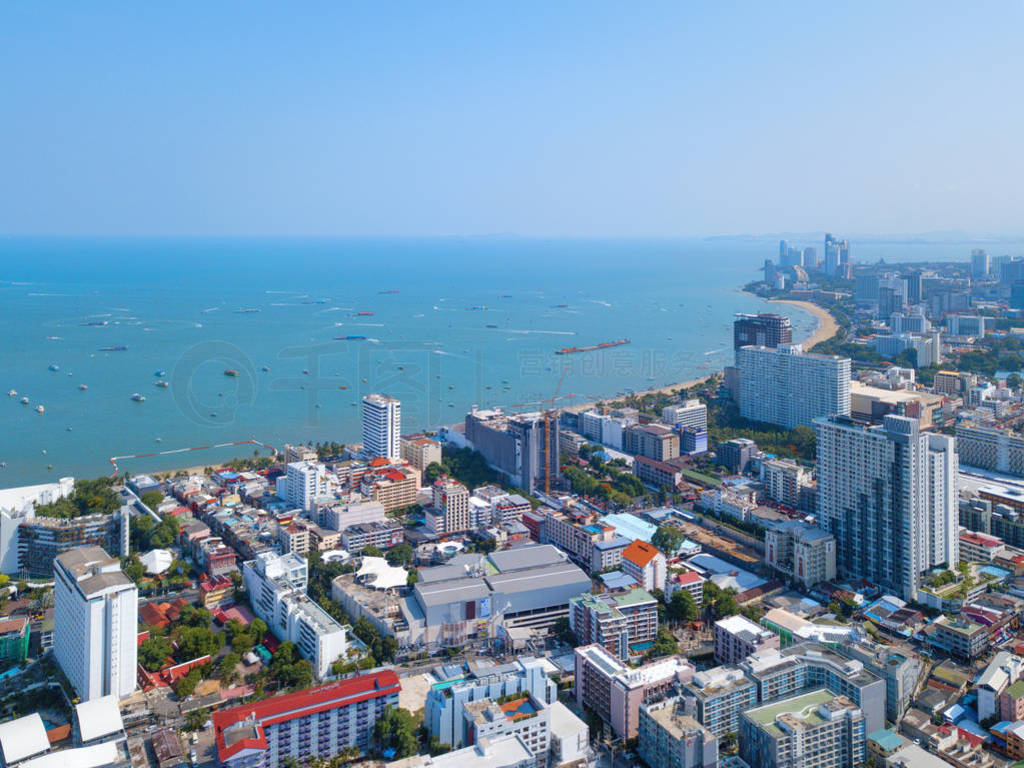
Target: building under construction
521	446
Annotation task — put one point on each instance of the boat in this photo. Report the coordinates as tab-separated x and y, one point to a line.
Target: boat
247	310
162	384
343	386
39	409
161	372
68	427
391	290
305	371
138	398
266	368
12	393
592	347
364	314
115	348
561	306
492	325
53	367
97	322
24	401
230	372
83	387
350	337
159	439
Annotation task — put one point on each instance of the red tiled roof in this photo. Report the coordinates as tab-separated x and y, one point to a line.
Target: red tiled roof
380	461
640	553
300	704
688	577
979	539
10	624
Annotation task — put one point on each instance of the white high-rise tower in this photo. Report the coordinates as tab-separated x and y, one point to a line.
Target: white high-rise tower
382	426
889	496
95	614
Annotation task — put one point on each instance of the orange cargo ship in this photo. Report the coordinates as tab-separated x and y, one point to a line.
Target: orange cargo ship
592	347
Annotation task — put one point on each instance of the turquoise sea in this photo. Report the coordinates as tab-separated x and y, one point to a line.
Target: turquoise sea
174	303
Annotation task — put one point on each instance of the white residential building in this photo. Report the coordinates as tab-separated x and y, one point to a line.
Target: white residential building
927	347
382	427
888	494
338	517
965	325
277	592
786	387
304	482
693	413
783	479
95	623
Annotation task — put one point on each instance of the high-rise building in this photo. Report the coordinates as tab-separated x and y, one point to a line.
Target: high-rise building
888	495
449	512
981	264
837	252
621	622
892	295
304	481
520	446
761	330
95	613
914	286
693	413
382	427
810	257
786	387
736	454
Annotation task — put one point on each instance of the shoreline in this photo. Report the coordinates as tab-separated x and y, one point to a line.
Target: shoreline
827	327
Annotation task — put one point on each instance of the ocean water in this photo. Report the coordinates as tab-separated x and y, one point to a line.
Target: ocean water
175	304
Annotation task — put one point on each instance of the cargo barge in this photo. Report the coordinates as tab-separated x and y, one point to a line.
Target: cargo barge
592	347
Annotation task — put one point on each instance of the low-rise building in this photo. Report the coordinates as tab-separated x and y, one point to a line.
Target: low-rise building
959	637
420	451
659	474
501	752
14	636
645	563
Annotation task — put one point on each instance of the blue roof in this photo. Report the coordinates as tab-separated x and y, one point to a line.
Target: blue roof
614	543
888	740
630	526
617	580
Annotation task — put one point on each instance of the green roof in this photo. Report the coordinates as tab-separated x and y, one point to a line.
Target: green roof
888	740
634	597
1016	690
804	707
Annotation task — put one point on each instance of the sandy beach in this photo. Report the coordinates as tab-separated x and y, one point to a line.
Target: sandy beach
826	329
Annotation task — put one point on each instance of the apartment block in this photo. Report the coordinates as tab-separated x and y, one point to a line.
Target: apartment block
623	623
788	388
736	637
617	692
277	592
803	552
296	727
814	730
669	738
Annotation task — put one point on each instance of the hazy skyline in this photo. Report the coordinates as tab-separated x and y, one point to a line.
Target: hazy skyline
589	119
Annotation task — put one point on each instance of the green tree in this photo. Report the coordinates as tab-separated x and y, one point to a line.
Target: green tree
258	628
399	555
432	472
395	730
668	539
682	606
194	642
196	719
372	551
152	499
153	653
187	684
1013	381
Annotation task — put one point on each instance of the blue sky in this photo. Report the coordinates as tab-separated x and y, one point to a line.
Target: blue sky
564	118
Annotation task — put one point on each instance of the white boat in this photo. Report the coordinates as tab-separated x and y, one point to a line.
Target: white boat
24	401
12	393
138	398
39	409
83	387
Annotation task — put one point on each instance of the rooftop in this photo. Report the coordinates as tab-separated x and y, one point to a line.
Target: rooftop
640	553
23	738
98	718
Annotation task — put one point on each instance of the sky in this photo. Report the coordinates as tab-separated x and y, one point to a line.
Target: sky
591	119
